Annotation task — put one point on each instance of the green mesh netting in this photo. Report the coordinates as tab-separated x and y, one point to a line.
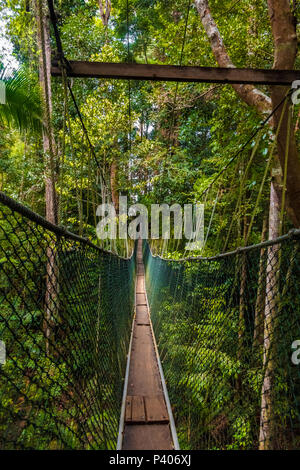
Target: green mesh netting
225	329
65	318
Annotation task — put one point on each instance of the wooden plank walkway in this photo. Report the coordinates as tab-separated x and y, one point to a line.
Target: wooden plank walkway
146	417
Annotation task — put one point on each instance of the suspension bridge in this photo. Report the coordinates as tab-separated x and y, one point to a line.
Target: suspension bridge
147	419
105	352
147	352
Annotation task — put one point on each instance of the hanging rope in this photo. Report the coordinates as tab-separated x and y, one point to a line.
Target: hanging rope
265	173
249	140
243	181
211	219
63	62
180	63
62	160
285	171
129	81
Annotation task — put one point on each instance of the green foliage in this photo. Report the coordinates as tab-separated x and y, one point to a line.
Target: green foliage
23	108
62	392
214	378
168	141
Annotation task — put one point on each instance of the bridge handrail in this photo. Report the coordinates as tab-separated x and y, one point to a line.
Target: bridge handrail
58	230
294	233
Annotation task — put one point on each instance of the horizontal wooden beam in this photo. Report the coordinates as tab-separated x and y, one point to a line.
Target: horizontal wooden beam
176	73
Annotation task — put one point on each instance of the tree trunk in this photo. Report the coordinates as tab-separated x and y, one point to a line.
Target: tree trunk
285	42
105	11
43	39
267	424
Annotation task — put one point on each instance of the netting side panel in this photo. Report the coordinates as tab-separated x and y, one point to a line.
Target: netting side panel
65	319
225	331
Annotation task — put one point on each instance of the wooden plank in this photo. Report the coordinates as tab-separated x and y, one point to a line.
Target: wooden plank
144	377
140	299
156	410
142	309
147	437
140	269
140	285
142	316
148	409
138	410
178	73
128	409
135	410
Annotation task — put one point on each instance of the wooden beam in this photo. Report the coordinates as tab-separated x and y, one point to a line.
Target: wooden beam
178	74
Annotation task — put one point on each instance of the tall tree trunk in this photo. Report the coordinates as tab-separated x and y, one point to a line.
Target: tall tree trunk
105	11
267	424
43	39
285	43
44	47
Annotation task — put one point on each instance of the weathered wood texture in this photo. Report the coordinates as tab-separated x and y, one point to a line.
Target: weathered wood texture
140	285
146	415
178	73
147	437
147	410
142	317
140	299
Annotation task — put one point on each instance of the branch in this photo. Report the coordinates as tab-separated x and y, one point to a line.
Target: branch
105	15
249	94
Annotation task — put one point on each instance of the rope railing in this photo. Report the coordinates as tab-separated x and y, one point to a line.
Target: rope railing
228	331
65	320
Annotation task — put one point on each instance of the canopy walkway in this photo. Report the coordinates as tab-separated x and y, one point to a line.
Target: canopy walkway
146	415
225	329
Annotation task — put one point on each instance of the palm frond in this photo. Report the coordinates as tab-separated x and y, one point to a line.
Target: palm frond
23	107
